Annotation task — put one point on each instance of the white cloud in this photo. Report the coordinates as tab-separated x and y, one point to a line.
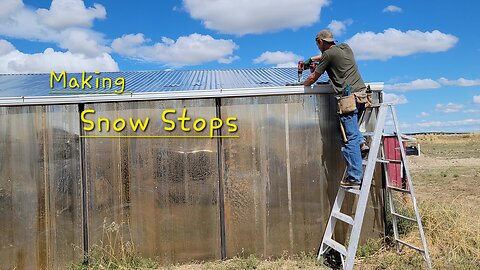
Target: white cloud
6	47
396	99
393	42
423	115
448	108
421	84
14	61
253	16
459	82
24	23
278	58
8	7
476	99
228	60
83	41
70	13
48	24
471	111
128	44
194	49
392	9
66	23
413	85
465	122
338	27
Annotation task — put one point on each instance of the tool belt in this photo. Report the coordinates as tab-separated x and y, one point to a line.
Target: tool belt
347	104
364	97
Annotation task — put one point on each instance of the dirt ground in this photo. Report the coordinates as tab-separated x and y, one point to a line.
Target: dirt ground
448	169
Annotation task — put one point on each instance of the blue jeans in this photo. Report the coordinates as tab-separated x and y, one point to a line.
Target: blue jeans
351	149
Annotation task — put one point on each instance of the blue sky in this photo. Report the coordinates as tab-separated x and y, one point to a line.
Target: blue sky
427	52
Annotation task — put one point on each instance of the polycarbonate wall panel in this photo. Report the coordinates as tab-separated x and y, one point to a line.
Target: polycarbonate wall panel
276	175
162	191
282	175
40	187
279	180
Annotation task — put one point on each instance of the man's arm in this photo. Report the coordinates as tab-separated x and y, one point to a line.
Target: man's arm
312	78
316	58
319	70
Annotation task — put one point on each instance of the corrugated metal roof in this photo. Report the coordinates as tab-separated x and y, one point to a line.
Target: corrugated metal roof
31	85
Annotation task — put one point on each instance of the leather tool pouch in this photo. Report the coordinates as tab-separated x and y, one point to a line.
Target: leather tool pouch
346	104
361	97
364	97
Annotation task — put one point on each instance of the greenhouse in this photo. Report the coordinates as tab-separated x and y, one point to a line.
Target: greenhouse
229	162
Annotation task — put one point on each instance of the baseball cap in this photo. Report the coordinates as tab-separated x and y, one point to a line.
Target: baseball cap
325	35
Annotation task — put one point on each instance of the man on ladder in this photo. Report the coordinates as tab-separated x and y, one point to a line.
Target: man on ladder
339	62
340	65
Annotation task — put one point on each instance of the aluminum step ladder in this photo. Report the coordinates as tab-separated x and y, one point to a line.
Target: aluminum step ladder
347	253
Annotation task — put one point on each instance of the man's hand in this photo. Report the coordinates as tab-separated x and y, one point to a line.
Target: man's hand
308	62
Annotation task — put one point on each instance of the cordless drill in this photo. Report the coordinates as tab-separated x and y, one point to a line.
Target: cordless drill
301	67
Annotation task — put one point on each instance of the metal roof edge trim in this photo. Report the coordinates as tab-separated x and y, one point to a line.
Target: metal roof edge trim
236	92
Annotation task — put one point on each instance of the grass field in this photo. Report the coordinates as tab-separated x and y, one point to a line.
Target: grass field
447	184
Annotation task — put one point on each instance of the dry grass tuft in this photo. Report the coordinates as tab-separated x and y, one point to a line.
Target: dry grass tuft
453	234
452	239
115	252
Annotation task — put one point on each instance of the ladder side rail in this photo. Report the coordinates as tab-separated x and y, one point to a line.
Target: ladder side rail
330	228
365	118
410	185
390	202
365	189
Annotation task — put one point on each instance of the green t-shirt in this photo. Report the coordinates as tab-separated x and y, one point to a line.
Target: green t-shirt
341	68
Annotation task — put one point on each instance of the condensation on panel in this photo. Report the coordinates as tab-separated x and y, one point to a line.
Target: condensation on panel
64	201
276	187
282	175
22	188
163	192
40	199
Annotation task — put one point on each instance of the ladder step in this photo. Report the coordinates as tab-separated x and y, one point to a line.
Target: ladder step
410	245
351	190
390	161
341	216
399	189
374	105
337	246
370	134
365	162
404	217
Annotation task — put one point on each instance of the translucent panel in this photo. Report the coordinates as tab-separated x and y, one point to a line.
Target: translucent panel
40	191
163	191
278	180
282	174
64	201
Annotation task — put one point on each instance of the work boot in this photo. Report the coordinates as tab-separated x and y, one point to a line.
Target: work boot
364	148
349	184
